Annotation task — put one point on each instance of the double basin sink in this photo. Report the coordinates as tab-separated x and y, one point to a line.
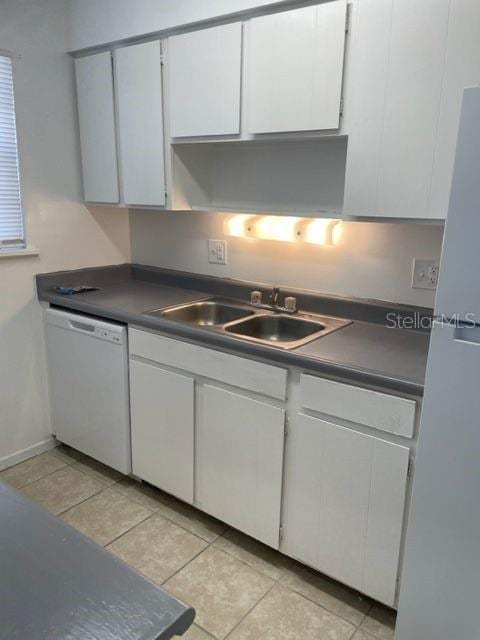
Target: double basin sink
287	331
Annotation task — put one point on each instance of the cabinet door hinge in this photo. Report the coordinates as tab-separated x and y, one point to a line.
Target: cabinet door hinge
280	533
285	427
341	106
347	20
410	468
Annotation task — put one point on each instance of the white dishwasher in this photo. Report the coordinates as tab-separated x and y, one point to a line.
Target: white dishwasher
87	363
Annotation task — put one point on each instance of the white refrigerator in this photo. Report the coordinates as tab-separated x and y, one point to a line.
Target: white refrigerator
440	593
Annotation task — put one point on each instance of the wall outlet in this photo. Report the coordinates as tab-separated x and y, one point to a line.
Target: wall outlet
425	274
217	251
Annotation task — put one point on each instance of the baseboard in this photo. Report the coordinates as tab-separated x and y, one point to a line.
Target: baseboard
25	454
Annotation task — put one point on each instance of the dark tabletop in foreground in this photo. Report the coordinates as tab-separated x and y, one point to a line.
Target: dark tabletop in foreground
56	584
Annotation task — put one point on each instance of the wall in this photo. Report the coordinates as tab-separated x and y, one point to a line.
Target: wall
371	260
93	23
64	231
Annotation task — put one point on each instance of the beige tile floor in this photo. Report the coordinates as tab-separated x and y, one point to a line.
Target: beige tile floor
241	589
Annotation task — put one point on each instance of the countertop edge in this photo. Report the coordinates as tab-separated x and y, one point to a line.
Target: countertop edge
288	358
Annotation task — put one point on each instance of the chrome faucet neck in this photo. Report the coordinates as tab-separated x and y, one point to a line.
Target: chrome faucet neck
274	296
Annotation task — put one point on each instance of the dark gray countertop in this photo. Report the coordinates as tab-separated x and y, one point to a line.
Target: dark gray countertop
365	351
55	584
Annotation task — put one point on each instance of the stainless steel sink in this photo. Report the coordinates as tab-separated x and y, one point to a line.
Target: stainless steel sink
284	330
207	313
253	324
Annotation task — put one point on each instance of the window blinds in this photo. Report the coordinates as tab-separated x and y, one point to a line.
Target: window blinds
11	216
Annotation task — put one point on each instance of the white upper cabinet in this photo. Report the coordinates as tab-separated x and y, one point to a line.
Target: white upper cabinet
204	81
462	69
295	69
138	77
410	63
97	127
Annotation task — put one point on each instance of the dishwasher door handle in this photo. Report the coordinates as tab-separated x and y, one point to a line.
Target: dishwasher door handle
82	326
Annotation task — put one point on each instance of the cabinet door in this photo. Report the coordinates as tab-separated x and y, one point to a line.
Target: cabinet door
462	69
344	504
204	79
239	461
97	127
295	69
138	78
397	74
162	418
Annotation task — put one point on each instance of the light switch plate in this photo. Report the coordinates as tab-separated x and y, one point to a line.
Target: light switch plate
217	251
425	274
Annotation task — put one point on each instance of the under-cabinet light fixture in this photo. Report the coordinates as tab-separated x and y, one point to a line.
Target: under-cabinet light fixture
321	231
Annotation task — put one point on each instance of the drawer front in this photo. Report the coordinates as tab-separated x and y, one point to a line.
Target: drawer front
363	406
201	361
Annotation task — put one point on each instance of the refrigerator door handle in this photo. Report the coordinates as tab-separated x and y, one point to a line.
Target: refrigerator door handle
468	333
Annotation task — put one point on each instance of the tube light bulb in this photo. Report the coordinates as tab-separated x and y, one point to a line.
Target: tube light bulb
236	225
282	228
319	231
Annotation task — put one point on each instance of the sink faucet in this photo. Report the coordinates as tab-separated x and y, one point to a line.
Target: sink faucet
274	296
290	303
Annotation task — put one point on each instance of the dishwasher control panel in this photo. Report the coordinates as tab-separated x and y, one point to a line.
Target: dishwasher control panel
109	335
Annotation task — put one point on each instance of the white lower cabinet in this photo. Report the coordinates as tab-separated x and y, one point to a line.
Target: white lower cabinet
344	502
209	428
162	419
239	462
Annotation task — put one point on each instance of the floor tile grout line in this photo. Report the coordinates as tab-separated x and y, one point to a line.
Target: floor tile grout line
209	544
277	581
156	513
189	530
209	634
102	490
334	613
176	571
289	588
250	611
41	477
141	503
95	476
58	458
266	575
61	513
128	531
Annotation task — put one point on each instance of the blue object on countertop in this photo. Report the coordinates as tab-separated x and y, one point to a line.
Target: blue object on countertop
70	291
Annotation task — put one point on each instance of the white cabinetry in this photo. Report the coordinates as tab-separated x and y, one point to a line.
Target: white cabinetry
162	419
295	69
97	127
238	439
410	63
209	427
239	462
204	81
344	504
138	81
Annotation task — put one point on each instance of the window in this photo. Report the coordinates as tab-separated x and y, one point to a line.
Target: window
12	235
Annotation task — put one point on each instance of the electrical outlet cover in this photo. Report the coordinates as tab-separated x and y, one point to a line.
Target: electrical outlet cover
425	274
217	251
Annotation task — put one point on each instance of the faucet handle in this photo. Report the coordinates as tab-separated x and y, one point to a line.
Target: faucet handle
291	304
256	297
274	295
